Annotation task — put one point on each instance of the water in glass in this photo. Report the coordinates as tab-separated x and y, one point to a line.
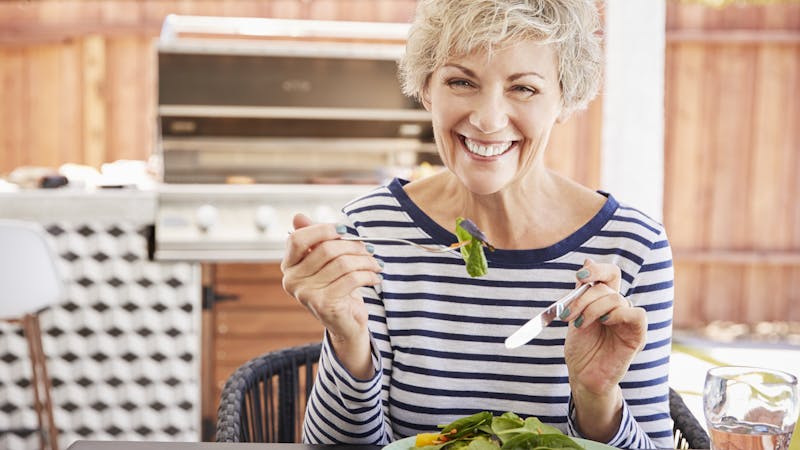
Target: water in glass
743	435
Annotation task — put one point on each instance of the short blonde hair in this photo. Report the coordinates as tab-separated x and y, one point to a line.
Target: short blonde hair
446	28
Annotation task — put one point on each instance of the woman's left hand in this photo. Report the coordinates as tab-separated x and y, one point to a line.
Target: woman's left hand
605	331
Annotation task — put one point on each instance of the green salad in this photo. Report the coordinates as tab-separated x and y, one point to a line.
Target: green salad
472	251
483	431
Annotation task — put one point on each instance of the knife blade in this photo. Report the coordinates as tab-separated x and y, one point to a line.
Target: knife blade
533	327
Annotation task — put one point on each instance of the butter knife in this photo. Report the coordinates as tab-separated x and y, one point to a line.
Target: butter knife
533	327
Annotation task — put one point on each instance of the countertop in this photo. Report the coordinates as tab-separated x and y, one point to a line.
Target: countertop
79	204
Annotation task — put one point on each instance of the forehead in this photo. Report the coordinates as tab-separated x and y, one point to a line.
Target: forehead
522	56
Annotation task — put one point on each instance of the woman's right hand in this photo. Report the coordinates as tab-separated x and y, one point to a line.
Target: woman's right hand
324	273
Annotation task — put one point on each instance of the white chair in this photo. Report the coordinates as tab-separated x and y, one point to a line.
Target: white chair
30	281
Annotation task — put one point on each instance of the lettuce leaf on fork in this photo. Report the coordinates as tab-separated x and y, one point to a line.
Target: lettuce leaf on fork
467	231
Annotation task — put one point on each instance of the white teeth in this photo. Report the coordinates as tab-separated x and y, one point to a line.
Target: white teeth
487	150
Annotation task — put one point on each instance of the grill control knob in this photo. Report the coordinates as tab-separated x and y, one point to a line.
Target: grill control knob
206	217
265	217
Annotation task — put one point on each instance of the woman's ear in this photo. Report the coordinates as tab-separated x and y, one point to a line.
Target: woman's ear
425	95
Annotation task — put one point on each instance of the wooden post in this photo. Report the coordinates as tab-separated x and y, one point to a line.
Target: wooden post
94	106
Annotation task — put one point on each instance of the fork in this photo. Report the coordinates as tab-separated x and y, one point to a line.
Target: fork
428	248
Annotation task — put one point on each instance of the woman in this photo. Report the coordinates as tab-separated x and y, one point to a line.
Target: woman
411	340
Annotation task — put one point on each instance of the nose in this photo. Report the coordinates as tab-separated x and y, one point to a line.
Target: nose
489	115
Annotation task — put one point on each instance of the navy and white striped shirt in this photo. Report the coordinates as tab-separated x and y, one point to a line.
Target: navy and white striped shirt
437	334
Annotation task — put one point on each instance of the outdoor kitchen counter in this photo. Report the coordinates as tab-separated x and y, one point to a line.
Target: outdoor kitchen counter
79	204
123	344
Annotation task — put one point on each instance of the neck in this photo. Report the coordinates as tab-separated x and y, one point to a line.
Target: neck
530	213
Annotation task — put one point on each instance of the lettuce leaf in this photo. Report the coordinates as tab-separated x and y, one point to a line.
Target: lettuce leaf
483	431
472	253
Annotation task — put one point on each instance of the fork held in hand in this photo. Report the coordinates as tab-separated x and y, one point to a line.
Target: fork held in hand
428	248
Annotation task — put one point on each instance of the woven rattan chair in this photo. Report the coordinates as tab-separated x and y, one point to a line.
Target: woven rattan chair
687	430
264	400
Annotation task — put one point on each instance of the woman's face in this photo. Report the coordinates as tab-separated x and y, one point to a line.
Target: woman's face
492	117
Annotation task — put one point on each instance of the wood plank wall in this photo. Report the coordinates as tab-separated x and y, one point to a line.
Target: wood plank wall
732	156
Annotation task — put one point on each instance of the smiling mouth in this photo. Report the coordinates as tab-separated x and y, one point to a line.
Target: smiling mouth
486	150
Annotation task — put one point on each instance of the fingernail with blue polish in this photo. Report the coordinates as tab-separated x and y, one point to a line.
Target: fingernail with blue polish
341	229
564	314
380	263
579	321
604	317
370	248
583	273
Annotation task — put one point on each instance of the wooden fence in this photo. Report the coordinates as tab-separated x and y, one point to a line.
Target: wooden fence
78	84
732	157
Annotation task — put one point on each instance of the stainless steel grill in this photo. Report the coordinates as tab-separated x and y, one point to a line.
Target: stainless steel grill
283	110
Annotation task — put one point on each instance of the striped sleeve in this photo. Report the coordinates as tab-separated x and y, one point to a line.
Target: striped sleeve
345	409
645	421
628	434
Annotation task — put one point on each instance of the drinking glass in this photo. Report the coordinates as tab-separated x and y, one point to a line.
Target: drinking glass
750	408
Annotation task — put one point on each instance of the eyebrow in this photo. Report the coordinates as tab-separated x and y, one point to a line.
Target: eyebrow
512	77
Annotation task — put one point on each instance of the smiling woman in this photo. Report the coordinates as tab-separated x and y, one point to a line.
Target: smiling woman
412	341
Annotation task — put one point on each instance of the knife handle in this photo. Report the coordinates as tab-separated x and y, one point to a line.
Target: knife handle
566	300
